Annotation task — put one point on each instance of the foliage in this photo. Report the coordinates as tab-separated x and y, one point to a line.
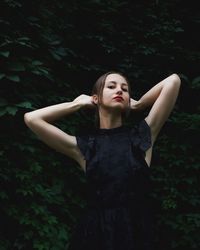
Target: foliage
52	53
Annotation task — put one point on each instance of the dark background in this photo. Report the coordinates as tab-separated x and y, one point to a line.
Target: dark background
53	51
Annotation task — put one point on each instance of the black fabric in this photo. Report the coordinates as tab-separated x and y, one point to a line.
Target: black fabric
118	215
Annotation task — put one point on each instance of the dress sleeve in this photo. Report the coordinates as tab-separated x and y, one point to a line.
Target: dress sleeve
141	136
85	143
145	135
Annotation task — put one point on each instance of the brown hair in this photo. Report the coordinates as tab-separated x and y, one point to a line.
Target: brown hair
98	90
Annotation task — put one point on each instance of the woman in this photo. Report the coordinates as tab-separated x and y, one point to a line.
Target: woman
115	159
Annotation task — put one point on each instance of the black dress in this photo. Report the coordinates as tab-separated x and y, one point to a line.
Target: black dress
118	215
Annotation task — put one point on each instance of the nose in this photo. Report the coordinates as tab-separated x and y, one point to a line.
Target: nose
119	91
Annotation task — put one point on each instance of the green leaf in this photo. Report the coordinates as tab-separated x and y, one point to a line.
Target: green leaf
36	62
55	56
5	53
13	78
13	4
33	18
3	195
63	233
2	112
2	75
27	105
44	71
179	29
36	72
196	83
16	66
56	42
36	167
24	38
61	51
11	110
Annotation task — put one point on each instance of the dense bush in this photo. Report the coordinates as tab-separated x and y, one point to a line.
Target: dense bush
50	54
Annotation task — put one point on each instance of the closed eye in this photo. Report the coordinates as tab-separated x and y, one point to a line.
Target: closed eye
111	87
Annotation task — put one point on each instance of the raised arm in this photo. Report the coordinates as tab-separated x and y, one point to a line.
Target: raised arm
162	97
39	121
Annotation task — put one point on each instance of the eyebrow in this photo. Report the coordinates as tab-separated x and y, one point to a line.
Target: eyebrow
116	83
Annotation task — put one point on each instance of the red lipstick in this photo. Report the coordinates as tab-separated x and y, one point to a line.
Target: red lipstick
118	98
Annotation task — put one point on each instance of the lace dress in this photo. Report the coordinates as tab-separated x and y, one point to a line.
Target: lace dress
118	215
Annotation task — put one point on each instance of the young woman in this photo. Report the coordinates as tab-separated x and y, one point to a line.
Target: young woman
115	159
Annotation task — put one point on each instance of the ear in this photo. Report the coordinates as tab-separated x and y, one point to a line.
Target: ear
95	99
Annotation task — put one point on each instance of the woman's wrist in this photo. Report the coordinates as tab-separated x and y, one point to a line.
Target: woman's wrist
84	101
78	104
137	105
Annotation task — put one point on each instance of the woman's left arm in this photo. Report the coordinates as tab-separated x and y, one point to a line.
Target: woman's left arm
162	97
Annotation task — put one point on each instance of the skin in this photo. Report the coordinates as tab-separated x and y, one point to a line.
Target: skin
161	98
110	109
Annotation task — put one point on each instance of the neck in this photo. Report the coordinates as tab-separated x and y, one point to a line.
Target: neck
110	120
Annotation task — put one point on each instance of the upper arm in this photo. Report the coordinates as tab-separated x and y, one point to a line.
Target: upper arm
54	137
163	106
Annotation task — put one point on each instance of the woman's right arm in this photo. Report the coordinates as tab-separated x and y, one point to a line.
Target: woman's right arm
39	121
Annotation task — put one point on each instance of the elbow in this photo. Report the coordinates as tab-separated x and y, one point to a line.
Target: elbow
26	118
30	120
177	79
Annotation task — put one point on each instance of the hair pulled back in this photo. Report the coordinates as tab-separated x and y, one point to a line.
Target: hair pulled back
98	90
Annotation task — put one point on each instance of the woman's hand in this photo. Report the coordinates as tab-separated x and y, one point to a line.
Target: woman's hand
85	101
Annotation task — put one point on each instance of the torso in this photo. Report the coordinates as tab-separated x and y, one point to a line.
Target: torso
82	162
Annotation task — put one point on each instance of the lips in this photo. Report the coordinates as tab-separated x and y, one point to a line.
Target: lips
118	97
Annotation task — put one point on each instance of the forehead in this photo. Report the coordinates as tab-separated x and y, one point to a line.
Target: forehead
116	78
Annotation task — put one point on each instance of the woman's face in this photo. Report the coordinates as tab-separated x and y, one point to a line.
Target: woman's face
115	85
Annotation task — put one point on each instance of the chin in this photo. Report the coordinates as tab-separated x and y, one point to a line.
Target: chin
115	106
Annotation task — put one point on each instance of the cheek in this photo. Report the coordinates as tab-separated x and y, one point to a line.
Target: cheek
105	94
128	97
104	97
128	100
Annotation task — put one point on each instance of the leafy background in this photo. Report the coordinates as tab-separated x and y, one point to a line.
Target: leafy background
51	53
